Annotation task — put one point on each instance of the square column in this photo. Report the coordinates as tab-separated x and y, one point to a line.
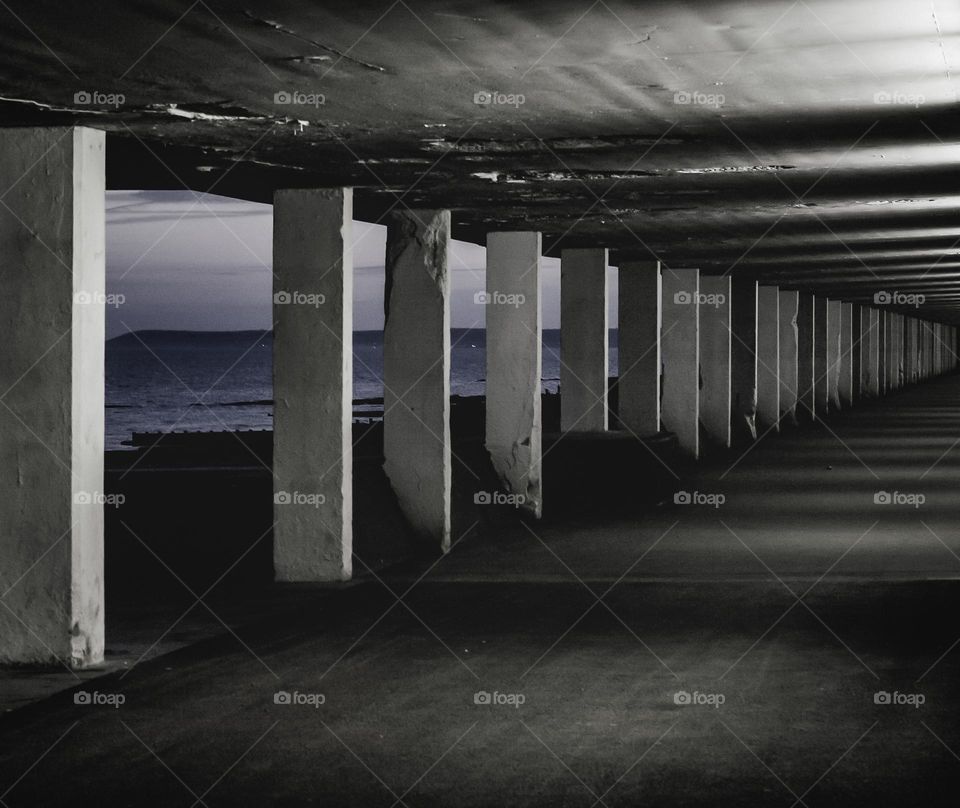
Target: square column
680	352
743	359
871	362
833	354
789	302
313	384
715	348
883	330
890	361
514	356
806	379
638	377
768	356
848	355
52	237
584	340
416	371
910	352
821	358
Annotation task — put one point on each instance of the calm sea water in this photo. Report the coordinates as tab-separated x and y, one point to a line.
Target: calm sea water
160	381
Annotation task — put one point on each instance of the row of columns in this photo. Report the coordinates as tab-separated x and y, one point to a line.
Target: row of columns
695	353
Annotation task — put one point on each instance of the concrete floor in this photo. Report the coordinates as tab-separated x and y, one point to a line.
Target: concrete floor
793	603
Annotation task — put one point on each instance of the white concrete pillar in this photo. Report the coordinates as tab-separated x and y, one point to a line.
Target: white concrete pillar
789	302
51	396
908	359
639	300
715	347
514	355
833	354
680	354
871	366
883	331
806	378
889	352
848	355
821	357
313	384
584	340
743	361
416	371
768	356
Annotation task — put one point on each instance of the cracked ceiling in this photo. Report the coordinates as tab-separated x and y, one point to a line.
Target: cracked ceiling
812	144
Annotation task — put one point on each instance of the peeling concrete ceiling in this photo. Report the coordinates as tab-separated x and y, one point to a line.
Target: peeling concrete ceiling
810	143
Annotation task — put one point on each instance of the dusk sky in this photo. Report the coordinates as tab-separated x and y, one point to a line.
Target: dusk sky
202	262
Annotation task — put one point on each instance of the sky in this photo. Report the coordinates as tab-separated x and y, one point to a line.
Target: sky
179	260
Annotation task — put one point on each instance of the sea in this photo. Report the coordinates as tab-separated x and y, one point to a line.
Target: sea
203	381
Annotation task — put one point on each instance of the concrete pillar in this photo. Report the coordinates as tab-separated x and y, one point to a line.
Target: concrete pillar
871	367
882	334
743	359
899	336
416	371
715	352
889	352
909	351
848	355
638	381
313	384
821	357
584	340
680	354
51	396
768	356
833	354
514	355
789	302
806	380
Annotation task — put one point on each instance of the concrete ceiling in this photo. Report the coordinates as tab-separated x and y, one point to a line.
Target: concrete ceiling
813	144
